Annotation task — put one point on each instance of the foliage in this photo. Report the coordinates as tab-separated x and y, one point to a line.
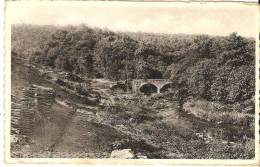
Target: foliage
113	57
216	68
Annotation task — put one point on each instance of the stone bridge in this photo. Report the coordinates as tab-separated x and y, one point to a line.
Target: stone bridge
138	84
160	84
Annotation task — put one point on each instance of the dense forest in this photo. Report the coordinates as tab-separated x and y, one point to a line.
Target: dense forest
216	68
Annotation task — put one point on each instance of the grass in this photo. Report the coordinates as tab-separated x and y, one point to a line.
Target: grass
218	113
174	142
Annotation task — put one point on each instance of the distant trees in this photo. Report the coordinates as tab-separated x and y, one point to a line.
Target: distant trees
201	46
226	74
69	50
28	40
211	67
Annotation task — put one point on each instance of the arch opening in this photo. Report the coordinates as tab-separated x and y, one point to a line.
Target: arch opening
166	88
148	89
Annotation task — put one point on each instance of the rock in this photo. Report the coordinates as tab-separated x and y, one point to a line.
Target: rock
63	103
14	139
224	142
122	154
84	112
173	156
27	146
140	156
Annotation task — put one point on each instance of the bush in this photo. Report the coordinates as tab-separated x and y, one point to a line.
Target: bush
80	89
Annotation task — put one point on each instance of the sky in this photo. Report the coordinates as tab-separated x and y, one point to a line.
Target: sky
146	17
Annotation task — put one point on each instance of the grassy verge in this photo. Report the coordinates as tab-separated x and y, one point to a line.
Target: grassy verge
218	113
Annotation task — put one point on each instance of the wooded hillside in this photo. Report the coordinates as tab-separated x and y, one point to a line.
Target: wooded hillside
215	68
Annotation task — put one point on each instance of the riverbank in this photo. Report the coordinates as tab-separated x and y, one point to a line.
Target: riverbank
151	126
217	113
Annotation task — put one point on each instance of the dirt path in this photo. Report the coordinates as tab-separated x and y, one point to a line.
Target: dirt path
64	131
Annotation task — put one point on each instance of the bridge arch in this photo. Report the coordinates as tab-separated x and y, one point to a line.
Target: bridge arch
148	88
166	87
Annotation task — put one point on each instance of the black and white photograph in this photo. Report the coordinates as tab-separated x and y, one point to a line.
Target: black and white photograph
132	80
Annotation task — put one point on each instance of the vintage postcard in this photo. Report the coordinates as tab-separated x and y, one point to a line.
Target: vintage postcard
131	83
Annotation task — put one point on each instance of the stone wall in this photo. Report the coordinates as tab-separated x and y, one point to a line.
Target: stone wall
32	102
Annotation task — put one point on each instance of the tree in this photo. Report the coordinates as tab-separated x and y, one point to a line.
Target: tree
236	52
201	46
62	62
141	69
113	55
211	67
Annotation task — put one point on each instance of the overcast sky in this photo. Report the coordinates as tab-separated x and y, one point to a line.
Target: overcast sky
148	17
